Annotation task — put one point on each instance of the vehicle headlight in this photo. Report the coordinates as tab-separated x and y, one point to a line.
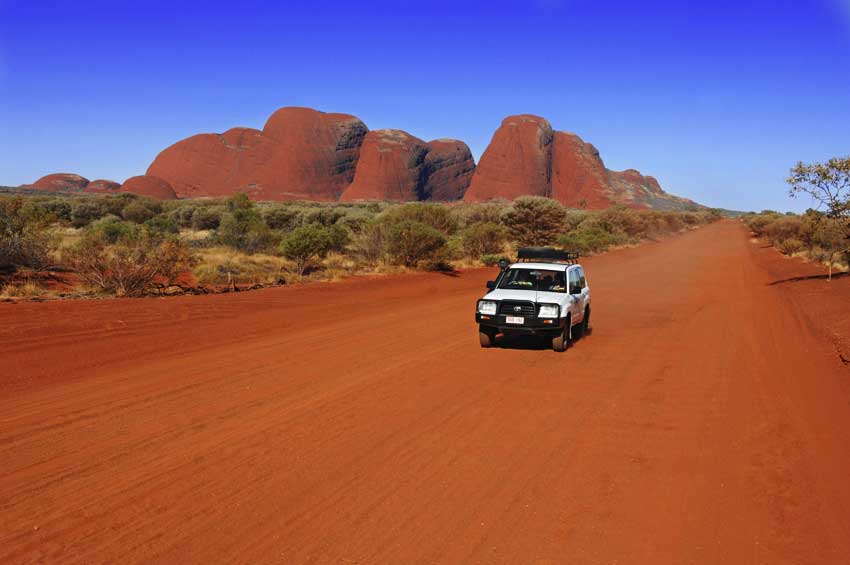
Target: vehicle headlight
487	307
549	311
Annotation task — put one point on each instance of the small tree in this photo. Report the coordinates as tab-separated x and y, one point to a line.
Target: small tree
305	243
828	183
534	220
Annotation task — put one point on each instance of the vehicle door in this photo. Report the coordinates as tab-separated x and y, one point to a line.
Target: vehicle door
574	288
584	297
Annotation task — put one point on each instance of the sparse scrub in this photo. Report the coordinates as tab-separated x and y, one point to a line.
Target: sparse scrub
132	265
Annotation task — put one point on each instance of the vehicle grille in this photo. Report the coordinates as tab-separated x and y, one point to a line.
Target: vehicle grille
509	308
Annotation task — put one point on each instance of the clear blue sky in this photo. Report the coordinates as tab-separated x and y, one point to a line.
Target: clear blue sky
717	99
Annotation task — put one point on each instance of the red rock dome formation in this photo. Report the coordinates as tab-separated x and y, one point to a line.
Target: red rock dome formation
102	186
300	154
150	186
61	182
526	158
391	167
518	161
397	166
450	166
579	177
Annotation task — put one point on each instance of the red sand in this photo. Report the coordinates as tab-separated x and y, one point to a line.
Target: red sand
705	420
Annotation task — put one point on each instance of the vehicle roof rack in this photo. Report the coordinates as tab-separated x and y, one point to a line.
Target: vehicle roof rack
546	255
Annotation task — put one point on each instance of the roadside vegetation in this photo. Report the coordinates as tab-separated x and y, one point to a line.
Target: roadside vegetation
820	234
125	245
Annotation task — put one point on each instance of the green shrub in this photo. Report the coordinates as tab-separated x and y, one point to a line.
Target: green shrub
789	246
137	213
132	265
162	224
483	239
112	228
490	260
410	242
306	243
243	228
590	239
24	237
534	220
281	218
206	218
437	216
370	244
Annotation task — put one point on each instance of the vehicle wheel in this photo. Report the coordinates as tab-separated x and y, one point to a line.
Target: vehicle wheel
562	340
585	323
485	337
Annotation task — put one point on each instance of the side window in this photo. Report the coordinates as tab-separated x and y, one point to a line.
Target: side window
574	280
581	279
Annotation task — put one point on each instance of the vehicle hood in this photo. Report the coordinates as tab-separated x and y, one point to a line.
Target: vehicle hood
532	295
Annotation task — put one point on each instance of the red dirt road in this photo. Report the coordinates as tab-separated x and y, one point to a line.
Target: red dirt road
705	420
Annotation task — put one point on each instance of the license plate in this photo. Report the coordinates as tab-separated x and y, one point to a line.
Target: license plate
514	320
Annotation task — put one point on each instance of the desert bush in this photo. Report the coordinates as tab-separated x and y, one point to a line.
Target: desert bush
205	218
85	212
789	246
783	228
591	239
112	228
410	242
370	244
243	228
223	265
281	218
434	215
24	237
483	239
162	224
490	260
484	213
627	221
132	265
137	213
534	220
58	208
306	243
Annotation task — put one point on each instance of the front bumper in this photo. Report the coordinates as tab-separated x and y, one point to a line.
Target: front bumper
530	326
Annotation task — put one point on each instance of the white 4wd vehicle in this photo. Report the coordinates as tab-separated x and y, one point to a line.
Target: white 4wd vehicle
545	293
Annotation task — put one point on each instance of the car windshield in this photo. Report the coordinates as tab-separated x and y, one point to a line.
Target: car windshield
533	279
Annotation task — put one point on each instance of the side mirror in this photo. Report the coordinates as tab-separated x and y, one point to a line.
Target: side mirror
491	285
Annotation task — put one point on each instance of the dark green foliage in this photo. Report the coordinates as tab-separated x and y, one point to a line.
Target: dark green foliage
110	229
205	218
437	216
534	220
243	228
483	239
281	218
306	243
137	213
590	239
411	242
24	241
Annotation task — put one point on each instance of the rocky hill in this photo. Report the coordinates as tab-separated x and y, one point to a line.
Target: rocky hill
305	154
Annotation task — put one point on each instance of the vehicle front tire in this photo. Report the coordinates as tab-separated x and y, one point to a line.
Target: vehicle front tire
585	323
561	341
485	337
